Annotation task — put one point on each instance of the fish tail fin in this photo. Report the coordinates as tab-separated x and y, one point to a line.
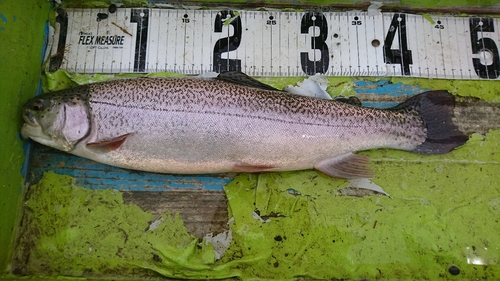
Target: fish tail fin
436	110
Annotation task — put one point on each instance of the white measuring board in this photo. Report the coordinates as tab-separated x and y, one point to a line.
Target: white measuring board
271	43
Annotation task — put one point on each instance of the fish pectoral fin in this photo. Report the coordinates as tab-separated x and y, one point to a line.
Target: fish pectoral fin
108	145
346	166
248	168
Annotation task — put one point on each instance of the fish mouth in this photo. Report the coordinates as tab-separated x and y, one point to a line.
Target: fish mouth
29	118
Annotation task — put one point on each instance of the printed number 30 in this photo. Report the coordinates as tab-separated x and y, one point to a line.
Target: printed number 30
318	64
488	64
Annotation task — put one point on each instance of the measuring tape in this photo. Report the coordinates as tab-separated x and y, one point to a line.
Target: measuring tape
271	43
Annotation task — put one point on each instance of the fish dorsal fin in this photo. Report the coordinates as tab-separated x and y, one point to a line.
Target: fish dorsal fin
108	145
240	78
346	166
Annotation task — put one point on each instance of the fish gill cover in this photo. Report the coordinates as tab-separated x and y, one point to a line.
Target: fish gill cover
441	219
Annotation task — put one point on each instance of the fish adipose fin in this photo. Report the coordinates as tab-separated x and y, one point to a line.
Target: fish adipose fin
347	166
109	145
240	78
436	110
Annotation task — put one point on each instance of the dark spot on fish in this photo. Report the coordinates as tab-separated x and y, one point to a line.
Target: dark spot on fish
157	258
454	270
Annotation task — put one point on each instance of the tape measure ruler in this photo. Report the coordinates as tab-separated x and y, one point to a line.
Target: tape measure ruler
276	43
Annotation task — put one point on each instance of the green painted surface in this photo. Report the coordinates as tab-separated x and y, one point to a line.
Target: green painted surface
483	89
447	3
74	231
443	210
22	34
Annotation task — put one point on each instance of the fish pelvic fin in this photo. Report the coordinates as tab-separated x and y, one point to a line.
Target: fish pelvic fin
346	166
436	110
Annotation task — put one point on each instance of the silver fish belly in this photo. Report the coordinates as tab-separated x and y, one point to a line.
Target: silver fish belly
191	126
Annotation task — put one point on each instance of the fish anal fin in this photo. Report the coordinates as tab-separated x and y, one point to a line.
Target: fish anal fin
248	168
108	145
346	166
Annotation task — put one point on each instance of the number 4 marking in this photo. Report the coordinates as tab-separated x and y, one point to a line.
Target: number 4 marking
401	55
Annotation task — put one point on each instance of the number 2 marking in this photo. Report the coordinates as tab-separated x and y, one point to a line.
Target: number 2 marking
227	44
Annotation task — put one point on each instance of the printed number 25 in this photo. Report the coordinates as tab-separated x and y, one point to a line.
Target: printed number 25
488	65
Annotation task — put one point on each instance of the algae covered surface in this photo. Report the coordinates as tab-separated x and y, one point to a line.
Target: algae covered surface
443	213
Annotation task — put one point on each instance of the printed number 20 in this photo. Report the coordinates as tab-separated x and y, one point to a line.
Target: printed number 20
488	65
225	45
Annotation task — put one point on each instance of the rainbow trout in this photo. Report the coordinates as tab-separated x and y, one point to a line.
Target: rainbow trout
232	123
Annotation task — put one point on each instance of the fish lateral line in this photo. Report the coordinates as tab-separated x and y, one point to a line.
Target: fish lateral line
233	115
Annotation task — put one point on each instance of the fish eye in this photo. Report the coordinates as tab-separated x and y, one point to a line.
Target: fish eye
37	105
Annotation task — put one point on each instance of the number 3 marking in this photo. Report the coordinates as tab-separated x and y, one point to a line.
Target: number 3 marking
311	67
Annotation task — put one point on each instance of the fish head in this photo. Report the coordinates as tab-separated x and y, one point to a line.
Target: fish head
60	119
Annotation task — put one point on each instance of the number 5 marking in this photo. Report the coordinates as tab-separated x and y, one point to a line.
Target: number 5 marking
488	64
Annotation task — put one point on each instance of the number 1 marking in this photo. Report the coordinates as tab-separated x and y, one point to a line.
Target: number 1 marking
141	17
